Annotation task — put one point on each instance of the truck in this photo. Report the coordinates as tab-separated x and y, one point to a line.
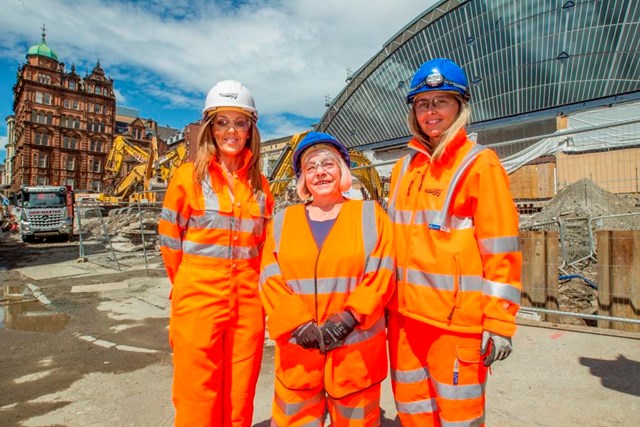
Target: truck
45	211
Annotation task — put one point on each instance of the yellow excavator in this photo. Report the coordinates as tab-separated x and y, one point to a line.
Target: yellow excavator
282	174
119	149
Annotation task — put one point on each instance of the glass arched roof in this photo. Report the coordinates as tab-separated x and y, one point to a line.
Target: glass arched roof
520	56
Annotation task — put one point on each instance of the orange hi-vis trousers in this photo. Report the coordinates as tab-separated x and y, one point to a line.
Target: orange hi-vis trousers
217	336
307	408
437	376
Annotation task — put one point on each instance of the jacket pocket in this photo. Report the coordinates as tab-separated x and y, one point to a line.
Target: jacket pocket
356	367
298	368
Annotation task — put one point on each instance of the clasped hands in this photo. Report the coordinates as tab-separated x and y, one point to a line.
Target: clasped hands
329	335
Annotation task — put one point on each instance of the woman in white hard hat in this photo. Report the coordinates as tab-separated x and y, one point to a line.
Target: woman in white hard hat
211	233
327	273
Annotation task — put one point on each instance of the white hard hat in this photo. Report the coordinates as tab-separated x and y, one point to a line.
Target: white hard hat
230	94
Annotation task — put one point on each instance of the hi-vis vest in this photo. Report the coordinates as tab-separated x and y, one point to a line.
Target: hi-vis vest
214	230
456	230
353	269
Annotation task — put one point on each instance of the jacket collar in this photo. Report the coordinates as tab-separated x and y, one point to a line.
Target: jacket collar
449	151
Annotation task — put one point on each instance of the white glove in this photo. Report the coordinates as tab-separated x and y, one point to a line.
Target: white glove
494	347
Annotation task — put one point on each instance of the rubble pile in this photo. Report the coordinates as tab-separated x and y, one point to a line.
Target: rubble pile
128	229
572	212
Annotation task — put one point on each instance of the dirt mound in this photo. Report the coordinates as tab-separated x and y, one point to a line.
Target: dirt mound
584	199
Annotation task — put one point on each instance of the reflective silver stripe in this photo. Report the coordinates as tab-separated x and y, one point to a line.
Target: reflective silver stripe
170	242
211	201
501	290
406	161
402	217
216	220
278	220
294	408
444	281
476	422
411	376
362	335
326	285
426	217
458	392
271	270
262	203
173	217
369	229
498	245
443	220
357	413
219	251
169	215
375	264
425	406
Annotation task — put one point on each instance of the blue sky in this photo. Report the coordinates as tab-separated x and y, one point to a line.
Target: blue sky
164	55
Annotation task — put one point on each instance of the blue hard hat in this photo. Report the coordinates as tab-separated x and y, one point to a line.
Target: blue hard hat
314	138
439	74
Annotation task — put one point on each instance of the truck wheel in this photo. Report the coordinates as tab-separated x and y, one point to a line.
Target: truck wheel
27	239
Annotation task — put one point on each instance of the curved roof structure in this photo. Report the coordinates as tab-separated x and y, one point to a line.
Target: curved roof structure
521	57
42	49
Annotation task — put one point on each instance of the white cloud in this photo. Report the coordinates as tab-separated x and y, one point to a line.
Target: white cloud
289	53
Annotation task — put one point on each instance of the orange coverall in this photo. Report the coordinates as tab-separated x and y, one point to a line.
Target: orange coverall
458	271
211	244
300	282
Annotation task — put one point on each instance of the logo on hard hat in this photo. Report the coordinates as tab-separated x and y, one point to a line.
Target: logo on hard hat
434	80
233	95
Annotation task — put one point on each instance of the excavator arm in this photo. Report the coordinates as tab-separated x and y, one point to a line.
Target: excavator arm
119	149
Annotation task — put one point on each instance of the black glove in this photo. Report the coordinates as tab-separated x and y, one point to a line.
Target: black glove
495	347
307	335
336	328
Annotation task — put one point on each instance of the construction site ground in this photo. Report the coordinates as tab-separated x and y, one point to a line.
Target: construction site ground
85	344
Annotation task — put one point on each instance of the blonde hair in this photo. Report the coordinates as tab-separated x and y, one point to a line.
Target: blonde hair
330	151
207	152
464	113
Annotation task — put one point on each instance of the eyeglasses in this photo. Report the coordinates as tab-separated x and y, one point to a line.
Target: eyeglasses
239	124
312	167
438	103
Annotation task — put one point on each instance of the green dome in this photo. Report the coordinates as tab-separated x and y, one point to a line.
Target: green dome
42	49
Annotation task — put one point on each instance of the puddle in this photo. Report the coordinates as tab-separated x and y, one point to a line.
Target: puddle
21	311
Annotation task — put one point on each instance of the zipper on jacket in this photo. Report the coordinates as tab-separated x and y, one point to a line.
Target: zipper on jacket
456	287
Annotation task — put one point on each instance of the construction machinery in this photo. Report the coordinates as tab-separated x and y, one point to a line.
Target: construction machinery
361	168
147	179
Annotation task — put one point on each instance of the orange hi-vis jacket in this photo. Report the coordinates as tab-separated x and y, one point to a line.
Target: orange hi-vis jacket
456	230
201	226
353	269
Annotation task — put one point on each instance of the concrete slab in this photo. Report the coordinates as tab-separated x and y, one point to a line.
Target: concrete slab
102	287
50	271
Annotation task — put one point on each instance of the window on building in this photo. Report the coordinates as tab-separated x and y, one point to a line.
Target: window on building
98	90
44	78
76	123
97	108
66	103
71	163
42	180
72	85
96	185
70	142
47	99
41	138
25	180
70	182
96	145
39	97
49	118
40	159
75	105
95	165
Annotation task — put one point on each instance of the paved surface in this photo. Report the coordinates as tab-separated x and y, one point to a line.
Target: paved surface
102	359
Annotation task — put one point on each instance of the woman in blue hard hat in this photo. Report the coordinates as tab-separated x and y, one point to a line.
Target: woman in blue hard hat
458	262
327	274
